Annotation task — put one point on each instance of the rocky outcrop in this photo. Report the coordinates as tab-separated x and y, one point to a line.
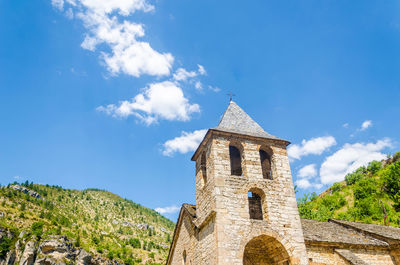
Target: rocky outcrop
56	244
52	250
83	258
27	191
29	254
10	258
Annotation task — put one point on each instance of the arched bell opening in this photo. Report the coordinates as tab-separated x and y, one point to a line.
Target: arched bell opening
266	162
235	156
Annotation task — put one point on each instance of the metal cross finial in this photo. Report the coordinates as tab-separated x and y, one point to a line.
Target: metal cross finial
231	95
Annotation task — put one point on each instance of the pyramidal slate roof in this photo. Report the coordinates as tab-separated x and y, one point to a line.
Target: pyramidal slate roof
236	120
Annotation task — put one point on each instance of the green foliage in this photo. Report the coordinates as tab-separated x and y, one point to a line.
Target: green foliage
5	245
361	199
87	219
365	188
374	167
336	187
111	255
391	183
37	229
356	176
135	243
95	240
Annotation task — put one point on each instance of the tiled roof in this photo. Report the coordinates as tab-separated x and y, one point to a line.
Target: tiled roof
329	232
380	230
236	120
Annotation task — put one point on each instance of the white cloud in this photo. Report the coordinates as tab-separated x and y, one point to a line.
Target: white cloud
123	52
346	125
318	185
314	146
199	86
17	177
351	157
188	141
59	4
124	7
128	55
308	171
163	100
306	174
305	184
365	125
69	13
201	70
112	33
168	209
215	89
182	74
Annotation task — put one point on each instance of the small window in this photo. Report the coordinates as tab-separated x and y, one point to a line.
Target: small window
266	164
184	257
236	161
255	206
203	167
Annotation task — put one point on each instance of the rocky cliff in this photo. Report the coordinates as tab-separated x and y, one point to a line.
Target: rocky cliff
28	250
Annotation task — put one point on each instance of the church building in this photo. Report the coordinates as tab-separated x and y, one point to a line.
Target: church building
246	210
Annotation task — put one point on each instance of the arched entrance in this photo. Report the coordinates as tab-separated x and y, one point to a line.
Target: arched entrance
265	250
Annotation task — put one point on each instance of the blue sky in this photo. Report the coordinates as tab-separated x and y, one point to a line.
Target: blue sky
116	94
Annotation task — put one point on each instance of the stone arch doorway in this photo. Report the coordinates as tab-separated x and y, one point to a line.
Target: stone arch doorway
265	250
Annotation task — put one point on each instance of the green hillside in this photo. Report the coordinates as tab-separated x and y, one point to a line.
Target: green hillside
97	221
361	197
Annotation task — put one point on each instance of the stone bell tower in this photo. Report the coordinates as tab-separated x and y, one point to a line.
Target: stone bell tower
246	210
244	183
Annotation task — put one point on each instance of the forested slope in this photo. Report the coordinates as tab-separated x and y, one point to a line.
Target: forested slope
364	196
103	224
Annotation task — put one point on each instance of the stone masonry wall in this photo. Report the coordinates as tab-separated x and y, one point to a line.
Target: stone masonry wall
205	192
207	244
185	242
374	256
281	218
323	255
199	245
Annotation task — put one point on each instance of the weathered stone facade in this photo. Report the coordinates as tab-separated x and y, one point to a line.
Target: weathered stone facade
247	213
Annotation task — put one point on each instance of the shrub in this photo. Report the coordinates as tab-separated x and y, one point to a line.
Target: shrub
374	167
391	183
110	255
95	240
5	245
37	229
99	249
336	187
356	176
365	188
135	243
